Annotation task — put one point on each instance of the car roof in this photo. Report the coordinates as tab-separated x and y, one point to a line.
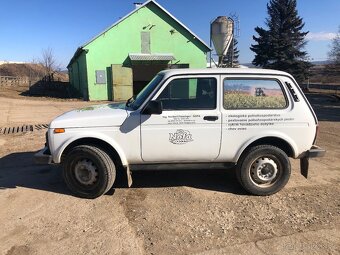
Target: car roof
249	71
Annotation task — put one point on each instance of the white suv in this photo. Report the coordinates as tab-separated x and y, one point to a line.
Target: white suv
210	118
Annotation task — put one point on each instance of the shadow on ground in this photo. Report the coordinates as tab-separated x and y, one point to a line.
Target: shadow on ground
52	89
208	179
18	170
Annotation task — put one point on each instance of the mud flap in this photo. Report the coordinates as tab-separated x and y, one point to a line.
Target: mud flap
129	177
304	165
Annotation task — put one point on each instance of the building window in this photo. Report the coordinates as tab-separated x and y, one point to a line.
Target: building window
253	94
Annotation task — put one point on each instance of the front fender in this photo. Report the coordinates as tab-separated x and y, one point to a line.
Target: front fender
60	147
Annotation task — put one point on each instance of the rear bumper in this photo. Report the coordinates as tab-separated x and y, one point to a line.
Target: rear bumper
43	157
314	152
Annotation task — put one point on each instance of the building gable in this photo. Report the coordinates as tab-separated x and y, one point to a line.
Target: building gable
167	16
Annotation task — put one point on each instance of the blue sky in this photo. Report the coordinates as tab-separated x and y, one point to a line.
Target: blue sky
27	27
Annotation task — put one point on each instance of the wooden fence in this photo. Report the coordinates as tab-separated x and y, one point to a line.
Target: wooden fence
37	86
331	87
13	81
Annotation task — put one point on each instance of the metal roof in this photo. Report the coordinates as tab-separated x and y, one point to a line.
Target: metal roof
151	57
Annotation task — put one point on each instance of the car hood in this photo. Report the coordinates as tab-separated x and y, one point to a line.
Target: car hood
105	115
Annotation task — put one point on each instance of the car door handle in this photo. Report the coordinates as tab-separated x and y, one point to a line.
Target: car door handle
210	118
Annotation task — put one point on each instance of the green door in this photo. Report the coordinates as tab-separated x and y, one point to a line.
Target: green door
122	83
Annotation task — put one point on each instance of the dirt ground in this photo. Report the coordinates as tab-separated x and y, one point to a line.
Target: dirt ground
175	212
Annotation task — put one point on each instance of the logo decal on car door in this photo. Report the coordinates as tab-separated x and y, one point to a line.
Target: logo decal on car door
180	137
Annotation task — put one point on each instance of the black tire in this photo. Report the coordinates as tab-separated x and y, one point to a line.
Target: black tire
263	170
88	171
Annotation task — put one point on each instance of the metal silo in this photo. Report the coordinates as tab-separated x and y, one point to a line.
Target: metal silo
222	29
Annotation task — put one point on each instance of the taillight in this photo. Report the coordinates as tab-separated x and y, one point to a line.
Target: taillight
316	133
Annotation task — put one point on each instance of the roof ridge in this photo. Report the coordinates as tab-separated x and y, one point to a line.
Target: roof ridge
135	10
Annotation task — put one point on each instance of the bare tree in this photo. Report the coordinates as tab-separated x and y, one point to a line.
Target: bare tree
49	62
331	71
334	54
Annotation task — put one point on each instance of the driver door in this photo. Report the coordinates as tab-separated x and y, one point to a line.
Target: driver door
189	128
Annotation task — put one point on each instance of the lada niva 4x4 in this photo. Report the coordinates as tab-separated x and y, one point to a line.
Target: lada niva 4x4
250	119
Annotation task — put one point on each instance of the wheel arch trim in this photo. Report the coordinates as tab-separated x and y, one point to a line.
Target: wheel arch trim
288	145
99	137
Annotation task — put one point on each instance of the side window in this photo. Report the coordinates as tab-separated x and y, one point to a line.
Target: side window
189	94
253	94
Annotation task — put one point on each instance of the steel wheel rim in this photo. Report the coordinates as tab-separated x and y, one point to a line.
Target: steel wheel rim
86	172
265	171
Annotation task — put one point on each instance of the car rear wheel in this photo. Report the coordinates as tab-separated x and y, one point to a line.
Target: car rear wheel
88	171
264	170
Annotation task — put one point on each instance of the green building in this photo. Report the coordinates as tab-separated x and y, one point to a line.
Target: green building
120	61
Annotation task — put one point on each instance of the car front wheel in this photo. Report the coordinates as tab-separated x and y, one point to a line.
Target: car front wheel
88	171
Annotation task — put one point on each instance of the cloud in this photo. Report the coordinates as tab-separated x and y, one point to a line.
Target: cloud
320	36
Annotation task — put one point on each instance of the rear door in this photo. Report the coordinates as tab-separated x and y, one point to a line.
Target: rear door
189	129
254	106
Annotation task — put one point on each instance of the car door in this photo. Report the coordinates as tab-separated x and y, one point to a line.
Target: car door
254	106
189	128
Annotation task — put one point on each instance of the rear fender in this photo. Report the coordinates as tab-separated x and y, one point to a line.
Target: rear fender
274	135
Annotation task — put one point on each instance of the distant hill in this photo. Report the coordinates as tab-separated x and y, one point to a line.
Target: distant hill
21	70
316	63
29	70
10	62
64	71
250	65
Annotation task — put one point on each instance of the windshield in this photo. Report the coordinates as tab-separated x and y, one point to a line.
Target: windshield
146	91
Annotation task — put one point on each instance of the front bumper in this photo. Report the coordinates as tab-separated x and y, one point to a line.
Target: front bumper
43	157
314	152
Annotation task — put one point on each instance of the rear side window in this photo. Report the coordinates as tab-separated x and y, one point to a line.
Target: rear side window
189	94
253	94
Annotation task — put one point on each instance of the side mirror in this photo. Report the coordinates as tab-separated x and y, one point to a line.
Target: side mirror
153	107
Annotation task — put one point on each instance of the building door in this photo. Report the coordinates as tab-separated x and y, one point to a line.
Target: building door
144	72
189	129
122	83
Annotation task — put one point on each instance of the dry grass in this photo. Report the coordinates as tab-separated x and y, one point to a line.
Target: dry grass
241	101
